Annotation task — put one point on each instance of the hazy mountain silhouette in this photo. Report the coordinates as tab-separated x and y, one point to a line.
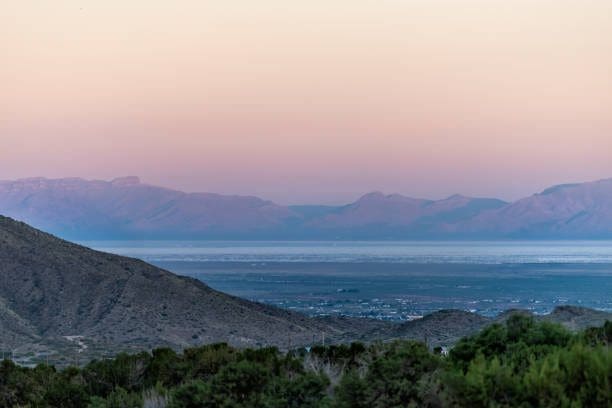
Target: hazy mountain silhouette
564	211
376	215
126	208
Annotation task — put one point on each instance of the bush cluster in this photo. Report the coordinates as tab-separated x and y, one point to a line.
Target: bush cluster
517	364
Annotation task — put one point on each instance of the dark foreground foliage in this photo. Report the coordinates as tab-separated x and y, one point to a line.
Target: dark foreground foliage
519	364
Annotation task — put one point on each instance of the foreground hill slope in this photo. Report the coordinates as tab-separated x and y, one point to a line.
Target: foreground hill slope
52	288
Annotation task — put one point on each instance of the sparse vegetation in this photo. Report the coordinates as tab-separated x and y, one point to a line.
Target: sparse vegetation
520	363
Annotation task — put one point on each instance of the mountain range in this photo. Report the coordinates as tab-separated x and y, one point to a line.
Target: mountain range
127	208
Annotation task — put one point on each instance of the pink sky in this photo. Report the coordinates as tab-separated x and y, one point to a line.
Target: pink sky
309	101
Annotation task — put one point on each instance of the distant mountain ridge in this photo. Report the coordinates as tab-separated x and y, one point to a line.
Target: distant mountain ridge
563	211
126	208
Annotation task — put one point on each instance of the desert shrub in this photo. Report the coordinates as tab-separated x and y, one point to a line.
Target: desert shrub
119	398
520	363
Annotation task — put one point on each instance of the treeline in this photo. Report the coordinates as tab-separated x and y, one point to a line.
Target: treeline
518	364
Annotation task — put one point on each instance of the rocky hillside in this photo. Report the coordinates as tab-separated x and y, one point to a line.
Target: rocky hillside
445	327
50	289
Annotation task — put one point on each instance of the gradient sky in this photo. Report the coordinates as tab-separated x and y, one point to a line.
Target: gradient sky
309	101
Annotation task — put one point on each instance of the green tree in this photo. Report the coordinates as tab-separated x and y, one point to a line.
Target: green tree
304	391
194	394
351	392
119	398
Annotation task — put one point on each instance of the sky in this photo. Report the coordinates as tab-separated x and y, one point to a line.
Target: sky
313	101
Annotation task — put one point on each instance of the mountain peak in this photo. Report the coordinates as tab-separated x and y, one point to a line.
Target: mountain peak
126	181
380	196
374	195
603	183
559	187
455	197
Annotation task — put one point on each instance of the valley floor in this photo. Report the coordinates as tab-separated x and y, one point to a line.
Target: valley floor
404	291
